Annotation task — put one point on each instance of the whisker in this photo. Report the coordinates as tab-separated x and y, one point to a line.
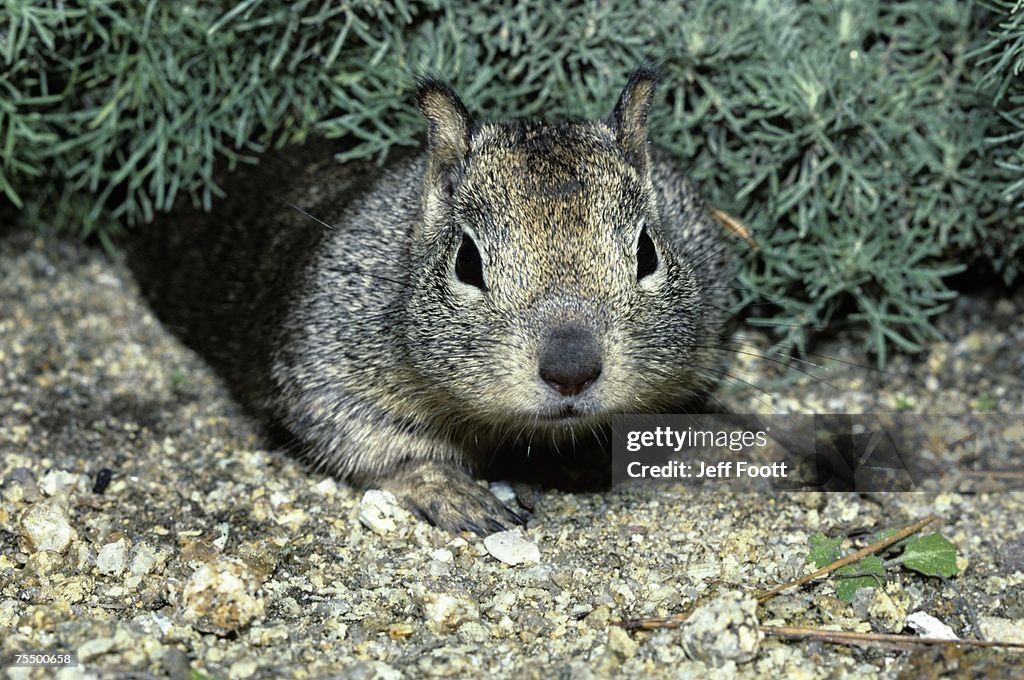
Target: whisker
728	375
773	360
312	217
356	240
866	367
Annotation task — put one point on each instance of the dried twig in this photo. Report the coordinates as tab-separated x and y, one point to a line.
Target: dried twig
885	640
852	557
657	622
674	621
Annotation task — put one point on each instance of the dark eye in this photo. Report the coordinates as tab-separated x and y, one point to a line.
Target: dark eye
469	267
646	255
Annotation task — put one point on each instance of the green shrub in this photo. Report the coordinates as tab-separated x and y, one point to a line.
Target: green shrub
874	148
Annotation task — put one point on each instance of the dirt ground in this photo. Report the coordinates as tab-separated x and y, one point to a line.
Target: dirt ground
146	526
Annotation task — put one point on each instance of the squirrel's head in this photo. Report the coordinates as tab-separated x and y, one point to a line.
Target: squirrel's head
553	282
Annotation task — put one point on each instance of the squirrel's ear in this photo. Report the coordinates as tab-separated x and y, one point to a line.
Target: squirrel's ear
629	119
449	127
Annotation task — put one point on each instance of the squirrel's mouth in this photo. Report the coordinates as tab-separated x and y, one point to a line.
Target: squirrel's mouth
566	412
570	413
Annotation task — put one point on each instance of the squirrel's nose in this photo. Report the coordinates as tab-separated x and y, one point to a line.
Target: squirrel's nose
570	360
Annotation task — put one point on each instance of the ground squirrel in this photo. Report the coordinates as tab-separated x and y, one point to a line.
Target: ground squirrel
514	283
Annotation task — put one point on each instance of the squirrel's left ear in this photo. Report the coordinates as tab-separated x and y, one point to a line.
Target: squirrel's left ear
449	127
629	119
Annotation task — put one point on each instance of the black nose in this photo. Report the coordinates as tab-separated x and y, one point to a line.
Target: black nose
570	360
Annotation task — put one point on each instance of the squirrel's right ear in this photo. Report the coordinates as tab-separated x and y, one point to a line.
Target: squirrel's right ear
449	127
629	119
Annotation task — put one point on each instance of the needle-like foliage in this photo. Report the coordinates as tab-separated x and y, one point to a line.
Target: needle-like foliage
874	148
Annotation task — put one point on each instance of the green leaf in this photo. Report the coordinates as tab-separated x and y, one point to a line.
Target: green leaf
865	573
824	550
896	547
931	555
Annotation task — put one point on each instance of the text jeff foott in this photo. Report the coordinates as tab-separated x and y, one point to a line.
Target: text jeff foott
700	470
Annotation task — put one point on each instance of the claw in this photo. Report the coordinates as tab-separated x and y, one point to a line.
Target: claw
449	498
467	525
495	526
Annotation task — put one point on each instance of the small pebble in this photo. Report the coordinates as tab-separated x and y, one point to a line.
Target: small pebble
504	492
512	547
221	597
45	526
723	630
20	486
103	478
928	626
59	482
620	643
379	510
91	649
1002	629
445	613
112	558
1011	555
176	664
144	560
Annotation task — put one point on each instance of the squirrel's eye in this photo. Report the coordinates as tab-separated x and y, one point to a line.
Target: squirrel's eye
646	255
469	267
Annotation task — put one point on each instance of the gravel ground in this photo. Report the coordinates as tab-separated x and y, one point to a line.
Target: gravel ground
145	525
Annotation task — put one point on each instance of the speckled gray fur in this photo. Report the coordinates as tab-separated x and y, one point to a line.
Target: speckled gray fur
362	342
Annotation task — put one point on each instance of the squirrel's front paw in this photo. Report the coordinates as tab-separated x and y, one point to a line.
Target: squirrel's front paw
447	497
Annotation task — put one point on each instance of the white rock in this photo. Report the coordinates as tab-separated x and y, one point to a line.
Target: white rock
504	492
9	613
46	526
379	510
112	558
620	643
725	630
326	487
445	613
91	649
1002	629
19	486
153	623
59	482
246	668
222	597
512	547
223	534
928	626
378	670
145	559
